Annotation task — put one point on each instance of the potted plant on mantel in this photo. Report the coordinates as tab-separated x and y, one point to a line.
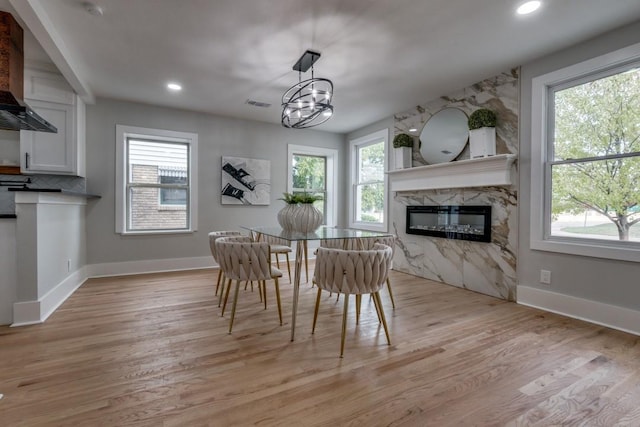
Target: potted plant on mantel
299	214
482	133
403	146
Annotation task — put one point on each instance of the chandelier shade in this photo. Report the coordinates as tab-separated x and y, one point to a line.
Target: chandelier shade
307	103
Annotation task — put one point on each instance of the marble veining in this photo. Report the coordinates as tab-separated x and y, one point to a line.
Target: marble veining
489	268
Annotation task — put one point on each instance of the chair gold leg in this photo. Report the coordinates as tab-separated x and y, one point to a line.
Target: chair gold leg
315	313
278	299
376	297
235	303
222	282
218	281
306	261
288	266
344	322
393	303
277	261
226	296
264	292
375	304
358	304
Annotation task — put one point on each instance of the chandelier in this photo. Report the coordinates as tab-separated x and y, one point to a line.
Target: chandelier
307	103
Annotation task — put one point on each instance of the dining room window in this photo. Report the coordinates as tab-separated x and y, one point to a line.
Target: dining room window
312	170
586	135
368	207
156	184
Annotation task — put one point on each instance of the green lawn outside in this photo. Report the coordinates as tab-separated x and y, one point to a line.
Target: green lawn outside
603	230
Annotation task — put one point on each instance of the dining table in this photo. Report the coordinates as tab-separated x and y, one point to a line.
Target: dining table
301	239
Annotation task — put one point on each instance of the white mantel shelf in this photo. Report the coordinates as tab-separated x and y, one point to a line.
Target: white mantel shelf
481	172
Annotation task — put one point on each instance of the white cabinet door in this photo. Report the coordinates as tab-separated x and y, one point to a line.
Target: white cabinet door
54	153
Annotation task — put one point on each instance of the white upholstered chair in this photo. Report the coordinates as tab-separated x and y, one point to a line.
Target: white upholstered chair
352	272
278	247
244	260
213	236
364	244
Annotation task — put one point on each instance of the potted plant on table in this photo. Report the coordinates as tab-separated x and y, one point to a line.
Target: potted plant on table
299	214
403	146
482	133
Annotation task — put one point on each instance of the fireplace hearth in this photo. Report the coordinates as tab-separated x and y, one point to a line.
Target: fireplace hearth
463	222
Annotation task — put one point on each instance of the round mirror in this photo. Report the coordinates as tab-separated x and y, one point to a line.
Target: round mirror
444	136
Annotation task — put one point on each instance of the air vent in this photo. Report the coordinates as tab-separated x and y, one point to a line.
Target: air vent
257	103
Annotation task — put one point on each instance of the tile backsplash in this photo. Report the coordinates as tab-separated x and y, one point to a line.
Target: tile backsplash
71	183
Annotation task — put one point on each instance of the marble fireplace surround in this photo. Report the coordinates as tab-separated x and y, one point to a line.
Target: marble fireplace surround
488	268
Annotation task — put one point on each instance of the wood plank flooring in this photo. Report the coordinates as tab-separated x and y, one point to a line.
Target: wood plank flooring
152	350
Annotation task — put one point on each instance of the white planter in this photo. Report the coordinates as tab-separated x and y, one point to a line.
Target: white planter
402	157
482	142
303	218
306	218
285	217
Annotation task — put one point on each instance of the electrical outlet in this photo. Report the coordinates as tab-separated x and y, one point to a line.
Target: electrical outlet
68	265
545	277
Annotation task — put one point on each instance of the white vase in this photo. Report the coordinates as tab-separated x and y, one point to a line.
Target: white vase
286	216
482	142
402	157
306	218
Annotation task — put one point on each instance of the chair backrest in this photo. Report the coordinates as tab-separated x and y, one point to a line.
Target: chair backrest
365	243
242	259
275	240
352	272
214	235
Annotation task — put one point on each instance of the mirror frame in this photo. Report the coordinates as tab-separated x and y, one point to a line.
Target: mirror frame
452	139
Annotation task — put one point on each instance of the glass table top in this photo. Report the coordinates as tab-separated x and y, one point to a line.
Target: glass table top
322	233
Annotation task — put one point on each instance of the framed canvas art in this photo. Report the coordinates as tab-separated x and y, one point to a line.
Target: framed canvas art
245	181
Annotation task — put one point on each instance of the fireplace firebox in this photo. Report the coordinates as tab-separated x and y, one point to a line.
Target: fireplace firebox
451	222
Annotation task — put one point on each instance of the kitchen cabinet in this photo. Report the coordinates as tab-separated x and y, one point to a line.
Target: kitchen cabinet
61	153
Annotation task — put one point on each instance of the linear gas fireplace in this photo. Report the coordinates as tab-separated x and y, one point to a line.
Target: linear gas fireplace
450	222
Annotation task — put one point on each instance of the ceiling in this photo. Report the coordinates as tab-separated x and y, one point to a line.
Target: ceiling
383	56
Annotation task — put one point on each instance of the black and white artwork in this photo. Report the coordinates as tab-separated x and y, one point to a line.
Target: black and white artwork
246	181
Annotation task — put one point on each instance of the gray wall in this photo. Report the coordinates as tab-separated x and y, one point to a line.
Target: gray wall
608	281
217	136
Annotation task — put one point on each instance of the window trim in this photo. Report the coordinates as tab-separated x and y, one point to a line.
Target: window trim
540	199
354	144
331	184
122	133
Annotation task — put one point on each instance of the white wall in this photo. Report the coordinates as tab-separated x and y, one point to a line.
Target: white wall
8	269
217	136
605	281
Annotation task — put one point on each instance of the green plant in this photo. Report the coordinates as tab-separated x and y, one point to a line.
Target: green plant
294	199
482	118
402	140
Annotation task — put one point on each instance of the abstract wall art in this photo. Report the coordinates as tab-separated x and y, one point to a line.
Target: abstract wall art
245	181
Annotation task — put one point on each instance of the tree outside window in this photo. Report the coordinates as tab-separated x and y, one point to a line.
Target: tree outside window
370	183
595	164
310	176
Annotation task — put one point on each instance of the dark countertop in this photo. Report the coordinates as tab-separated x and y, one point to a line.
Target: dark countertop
55	190
8	216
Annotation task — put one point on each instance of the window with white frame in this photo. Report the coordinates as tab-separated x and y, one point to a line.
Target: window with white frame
156	181
368	207
312	170
586	135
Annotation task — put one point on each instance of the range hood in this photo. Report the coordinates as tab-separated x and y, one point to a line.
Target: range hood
14	113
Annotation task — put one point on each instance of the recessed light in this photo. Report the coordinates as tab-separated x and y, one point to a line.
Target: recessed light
413	130
528	7
174	87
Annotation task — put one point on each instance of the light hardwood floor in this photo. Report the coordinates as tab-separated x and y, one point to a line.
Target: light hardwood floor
152	350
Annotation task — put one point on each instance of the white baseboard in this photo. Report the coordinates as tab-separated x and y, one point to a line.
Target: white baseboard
621	318
32	312
149	266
